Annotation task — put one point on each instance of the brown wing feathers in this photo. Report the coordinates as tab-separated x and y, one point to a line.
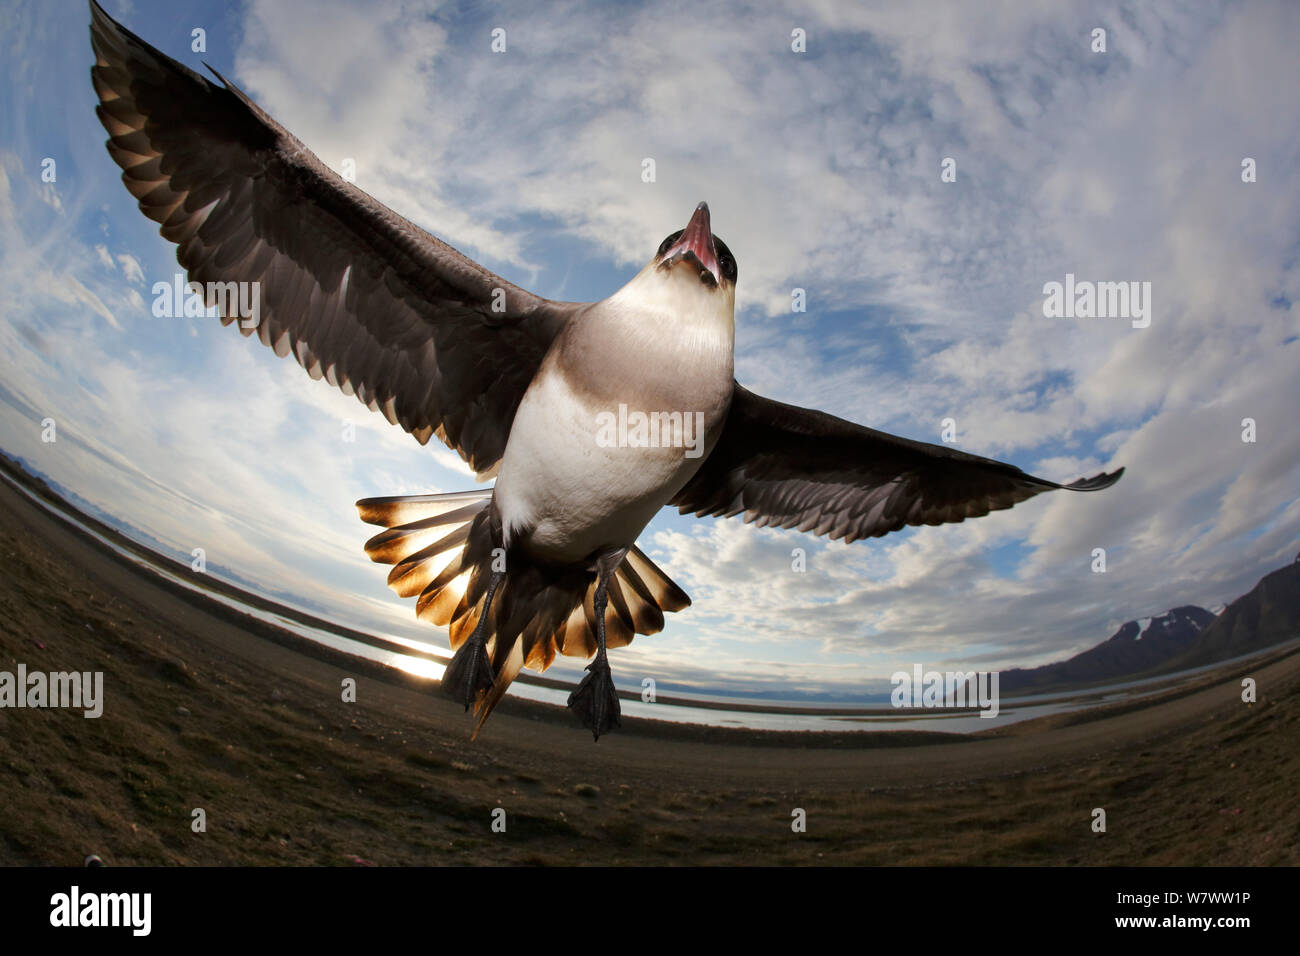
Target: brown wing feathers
793	467
356	293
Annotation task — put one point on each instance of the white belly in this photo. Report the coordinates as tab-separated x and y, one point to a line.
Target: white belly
566	490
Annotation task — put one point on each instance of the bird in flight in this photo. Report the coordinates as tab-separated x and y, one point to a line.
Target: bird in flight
591	416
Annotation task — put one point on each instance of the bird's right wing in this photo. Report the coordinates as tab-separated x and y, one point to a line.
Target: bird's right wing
793	467
359	295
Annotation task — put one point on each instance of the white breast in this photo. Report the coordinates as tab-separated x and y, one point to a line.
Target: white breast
565	491
569	494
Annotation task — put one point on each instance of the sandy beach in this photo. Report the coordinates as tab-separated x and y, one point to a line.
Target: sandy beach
202	710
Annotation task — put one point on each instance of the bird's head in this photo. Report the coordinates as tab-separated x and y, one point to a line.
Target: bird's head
700	253
689	285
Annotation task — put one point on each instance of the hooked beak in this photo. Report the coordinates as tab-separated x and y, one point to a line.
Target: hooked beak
696	248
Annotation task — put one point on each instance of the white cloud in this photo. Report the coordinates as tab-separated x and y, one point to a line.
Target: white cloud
131	267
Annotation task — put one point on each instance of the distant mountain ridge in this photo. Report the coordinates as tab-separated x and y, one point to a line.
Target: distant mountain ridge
1268	615
1137	647
1181	638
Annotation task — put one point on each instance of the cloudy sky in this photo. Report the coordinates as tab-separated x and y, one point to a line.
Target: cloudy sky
823	170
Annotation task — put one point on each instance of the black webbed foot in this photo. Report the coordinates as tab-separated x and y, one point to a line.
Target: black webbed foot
469	673
595	700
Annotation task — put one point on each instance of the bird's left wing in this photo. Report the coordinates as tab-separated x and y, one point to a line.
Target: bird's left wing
359	295
793	467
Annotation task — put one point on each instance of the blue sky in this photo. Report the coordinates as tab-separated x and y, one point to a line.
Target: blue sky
822	170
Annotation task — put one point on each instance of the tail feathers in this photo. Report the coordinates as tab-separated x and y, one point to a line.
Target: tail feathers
639	594
401	510
439	546
399	542
425	543
505	676
659	587
415	571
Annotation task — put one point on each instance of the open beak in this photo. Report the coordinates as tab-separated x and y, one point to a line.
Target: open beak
696	247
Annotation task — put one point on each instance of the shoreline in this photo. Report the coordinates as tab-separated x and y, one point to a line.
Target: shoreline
1180	683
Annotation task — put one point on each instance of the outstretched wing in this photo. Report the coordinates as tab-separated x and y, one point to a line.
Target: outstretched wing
793	467
359	295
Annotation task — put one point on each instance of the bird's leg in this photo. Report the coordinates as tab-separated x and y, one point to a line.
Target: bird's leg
595	700
470	671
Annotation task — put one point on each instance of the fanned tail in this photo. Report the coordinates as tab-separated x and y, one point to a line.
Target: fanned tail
440	547
425	543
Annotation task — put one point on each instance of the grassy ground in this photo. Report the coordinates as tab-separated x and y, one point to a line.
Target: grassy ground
201	712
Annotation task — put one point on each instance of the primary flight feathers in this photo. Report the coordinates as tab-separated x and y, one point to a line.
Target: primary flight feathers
358	294
793	467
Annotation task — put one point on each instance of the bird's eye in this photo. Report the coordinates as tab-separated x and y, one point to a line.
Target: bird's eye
667	243
726	261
